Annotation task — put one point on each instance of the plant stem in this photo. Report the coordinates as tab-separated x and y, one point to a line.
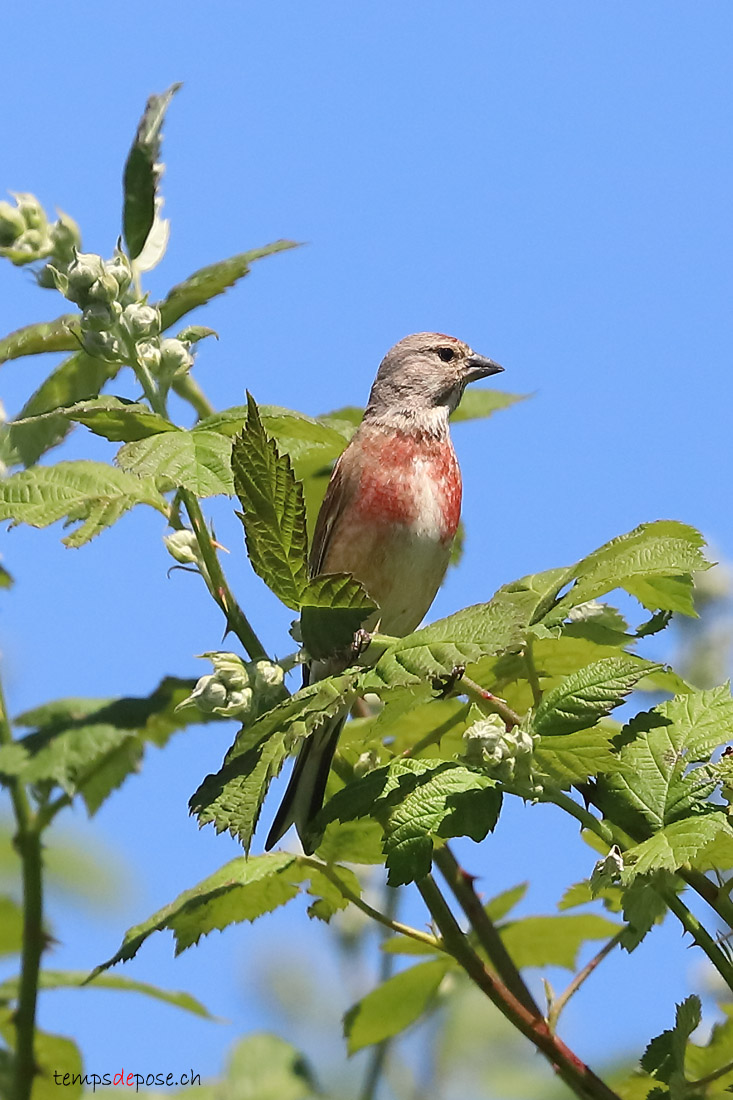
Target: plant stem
700	935
461	883
576	1075
532	677
217	582
487	701
716	1074
382	918
379	1053
28	845
559	1003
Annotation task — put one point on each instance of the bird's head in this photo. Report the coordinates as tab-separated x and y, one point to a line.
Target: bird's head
427	370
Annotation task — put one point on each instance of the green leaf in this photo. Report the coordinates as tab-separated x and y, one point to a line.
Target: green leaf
90	746
118	420
273	512
394	1005
266	1067
588	694
11	929
571	758
232	798
642	562
76	378
477	404
416	801
197	460
142	173
555	940
436	650
715	1055
242	890
62	334
6	581
55	1054
676	845
74	979
333	607
664	1058
503	903
89	491
208	282
351	842
656	787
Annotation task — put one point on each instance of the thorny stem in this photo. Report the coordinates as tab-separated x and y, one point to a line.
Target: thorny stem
375	914
559	1003
576	1075
700	935
28	844
461	883
487	700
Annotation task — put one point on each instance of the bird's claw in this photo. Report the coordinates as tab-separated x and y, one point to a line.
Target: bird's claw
443	685
362	641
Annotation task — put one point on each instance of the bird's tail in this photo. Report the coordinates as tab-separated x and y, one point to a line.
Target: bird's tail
304	795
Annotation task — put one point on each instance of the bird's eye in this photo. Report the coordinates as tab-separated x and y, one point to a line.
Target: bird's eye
446	354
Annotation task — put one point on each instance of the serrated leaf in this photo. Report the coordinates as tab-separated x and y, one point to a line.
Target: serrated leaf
657	747
273	512
477	403
351	842
74	979
554	940
394	1005
118	420
333	607
675	845
329	899
90	746
76	378
142	173
642	562
88	491
62	334
664	1058
571	758
231	799
197	460
588	694
416	801
208	282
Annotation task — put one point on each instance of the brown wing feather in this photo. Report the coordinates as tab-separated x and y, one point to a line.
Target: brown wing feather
333	505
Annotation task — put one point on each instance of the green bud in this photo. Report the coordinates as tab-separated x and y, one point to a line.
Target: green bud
149	352
182	546
31	210
31	241
103	289
82	272
12	224
97	318
175	358
140	321
66	237
119	268
102	345
209	694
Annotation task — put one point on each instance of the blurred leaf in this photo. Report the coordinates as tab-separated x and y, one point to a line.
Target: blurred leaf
394	1005
266	1067
62	334
92	492
352	842
208	282
588	694
6	581
555	940
74	979
333	607
232	798
197	460
503	903
273	513
11	928
55	1054
142	173
664	1058
477	404
715	1055
76	378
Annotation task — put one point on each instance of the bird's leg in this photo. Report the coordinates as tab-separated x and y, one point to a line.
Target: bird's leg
444	685
362	641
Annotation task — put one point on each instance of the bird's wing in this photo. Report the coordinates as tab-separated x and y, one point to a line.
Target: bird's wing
334	502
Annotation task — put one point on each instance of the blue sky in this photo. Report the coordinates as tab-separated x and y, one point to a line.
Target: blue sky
549	182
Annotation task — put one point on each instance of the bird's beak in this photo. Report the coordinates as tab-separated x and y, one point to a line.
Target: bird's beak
478	366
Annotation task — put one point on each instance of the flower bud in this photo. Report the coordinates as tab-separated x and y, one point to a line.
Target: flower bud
102	345
182	546
31	210
65	236
97	318
103	289
209	694
119	268
12	224
149	352
83	271
140	321
175	359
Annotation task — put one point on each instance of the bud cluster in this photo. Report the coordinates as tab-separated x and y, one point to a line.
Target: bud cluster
237	688
506	754
27	235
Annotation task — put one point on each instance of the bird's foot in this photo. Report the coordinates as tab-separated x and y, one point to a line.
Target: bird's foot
362	641
444	685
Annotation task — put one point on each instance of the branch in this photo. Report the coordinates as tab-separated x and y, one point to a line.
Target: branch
559	1003
488	702
576	1075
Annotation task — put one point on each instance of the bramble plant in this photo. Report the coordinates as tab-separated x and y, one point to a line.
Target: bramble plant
509	698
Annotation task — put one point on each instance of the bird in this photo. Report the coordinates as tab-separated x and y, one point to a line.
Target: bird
389	517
